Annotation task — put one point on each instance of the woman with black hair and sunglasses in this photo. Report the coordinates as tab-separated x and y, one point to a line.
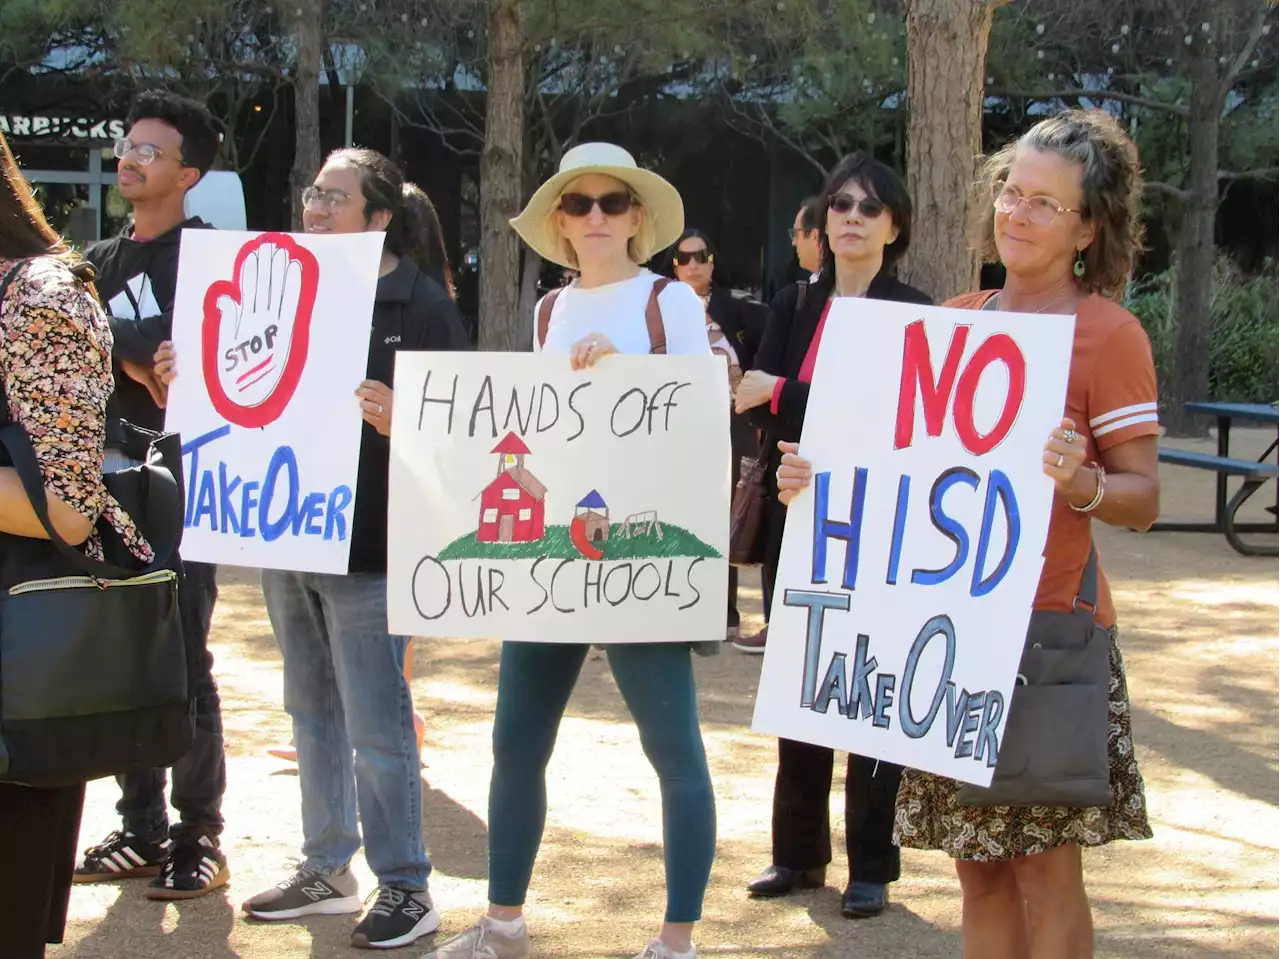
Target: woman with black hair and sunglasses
866	215
734	328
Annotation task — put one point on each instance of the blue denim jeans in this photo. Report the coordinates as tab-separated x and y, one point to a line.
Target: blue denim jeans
344	688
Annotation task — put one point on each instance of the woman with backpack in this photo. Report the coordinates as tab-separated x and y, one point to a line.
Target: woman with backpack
602	216
55	360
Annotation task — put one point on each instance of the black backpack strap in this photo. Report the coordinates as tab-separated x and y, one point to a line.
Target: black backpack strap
802	294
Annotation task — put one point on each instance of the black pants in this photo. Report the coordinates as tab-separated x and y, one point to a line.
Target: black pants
38	833
801	823
199	777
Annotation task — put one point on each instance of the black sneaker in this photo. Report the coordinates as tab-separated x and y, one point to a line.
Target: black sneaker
306	893
122	855
396	918
192	868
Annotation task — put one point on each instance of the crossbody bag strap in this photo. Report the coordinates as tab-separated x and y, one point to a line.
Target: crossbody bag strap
1086	601
802	294
544	315
653	316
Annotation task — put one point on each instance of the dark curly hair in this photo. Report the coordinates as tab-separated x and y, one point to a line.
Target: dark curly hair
190	118
1112	192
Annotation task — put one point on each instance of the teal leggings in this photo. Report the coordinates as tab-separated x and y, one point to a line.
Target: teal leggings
656	680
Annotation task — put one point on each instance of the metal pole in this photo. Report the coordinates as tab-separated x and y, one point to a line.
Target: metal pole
351	112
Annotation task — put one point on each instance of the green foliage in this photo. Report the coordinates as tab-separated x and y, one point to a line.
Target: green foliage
1245	344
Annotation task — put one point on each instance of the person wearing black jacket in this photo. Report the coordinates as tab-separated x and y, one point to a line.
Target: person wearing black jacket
344	683
171	143
734	327
866	213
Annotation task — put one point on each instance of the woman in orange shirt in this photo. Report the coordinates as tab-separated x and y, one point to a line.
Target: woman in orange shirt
1066	227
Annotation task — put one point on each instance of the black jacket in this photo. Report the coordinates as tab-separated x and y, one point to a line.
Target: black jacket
410	312
786	341
742	321
138	327
787	336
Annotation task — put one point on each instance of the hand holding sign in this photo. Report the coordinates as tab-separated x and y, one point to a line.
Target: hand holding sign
257	329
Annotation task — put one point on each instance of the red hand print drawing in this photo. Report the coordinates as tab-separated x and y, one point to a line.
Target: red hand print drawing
256	330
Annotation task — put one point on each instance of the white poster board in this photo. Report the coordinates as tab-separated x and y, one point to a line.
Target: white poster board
910	565
530	502
272	336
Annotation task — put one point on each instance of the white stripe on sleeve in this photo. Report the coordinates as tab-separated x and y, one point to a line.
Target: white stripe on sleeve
1121	413
1129	421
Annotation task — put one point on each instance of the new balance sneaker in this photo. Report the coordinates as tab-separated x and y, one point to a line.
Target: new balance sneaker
657	949
307	893
122	855
484	941
192	868
396	918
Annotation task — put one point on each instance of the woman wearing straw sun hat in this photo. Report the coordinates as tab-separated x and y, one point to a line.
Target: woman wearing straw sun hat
602	216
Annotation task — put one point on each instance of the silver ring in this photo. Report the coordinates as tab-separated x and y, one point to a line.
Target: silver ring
1070	436
1060	461
380	413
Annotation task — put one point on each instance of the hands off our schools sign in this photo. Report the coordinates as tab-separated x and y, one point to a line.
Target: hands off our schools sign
272	334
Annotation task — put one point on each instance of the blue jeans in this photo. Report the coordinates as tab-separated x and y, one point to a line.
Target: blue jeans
344	687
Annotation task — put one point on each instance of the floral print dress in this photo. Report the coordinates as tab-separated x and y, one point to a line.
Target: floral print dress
56	362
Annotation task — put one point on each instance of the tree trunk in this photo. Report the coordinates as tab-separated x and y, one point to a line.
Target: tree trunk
501	325
529	273
946	55
1190	380
306	101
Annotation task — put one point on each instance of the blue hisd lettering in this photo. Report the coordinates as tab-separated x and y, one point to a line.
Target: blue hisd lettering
857	687
266	508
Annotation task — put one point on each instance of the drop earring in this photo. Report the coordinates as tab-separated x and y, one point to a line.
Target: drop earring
1078	269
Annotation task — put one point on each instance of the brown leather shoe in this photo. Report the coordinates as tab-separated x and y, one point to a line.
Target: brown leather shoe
752	644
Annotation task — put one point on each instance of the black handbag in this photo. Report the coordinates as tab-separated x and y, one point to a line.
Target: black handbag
1054	749
94	678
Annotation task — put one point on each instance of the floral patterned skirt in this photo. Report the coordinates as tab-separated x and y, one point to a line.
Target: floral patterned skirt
929	817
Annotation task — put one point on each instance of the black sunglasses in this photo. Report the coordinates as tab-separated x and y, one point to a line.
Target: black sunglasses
844	204
685	257
611	204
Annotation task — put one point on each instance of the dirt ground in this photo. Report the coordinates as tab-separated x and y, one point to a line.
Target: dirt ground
1200	639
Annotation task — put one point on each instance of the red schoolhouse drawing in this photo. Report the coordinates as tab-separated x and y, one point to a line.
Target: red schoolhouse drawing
512	506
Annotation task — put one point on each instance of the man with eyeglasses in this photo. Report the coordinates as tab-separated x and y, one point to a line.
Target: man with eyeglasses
171	144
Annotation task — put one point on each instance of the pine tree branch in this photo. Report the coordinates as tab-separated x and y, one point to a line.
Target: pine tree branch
1266	173
1246	49
1097	95
1168	189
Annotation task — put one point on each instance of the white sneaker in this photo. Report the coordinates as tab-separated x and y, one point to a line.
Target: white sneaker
482	941
657	949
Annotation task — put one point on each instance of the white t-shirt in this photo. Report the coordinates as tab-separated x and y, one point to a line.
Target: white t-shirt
617	311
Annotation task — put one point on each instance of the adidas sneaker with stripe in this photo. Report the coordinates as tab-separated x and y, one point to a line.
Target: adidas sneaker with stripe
122	855
193	868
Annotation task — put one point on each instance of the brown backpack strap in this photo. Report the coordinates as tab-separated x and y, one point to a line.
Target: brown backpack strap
653	317
544	315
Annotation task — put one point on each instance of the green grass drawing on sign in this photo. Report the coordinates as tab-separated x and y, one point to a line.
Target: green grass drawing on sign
676	541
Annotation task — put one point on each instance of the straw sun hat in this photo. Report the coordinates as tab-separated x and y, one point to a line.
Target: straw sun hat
663	208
